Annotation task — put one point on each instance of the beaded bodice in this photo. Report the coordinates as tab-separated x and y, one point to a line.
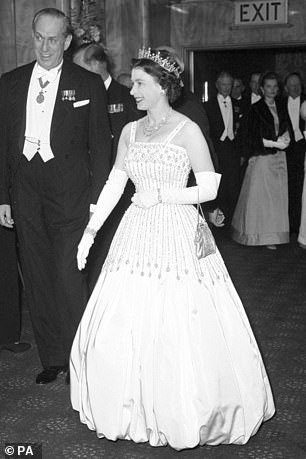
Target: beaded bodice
158	241
157	165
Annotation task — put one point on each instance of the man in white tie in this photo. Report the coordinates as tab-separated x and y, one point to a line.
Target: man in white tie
254	84
223	120
55	155
295	153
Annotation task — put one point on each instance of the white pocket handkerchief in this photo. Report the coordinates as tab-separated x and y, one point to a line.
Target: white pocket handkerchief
80	103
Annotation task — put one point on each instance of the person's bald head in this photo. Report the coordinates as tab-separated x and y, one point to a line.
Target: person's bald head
92	57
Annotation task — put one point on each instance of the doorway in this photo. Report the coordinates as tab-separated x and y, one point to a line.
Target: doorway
241	63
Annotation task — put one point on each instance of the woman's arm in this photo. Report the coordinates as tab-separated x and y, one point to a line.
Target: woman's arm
109	197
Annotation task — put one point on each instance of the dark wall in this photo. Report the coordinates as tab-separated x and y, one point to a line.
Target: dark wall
243	62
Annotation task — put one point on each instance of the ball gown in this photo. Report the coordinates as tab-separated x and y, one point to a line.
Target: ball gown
164	352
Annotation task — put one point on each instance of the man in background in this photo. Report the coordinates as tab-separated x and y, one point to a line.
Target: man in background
223	120
121	105
295	153
254	84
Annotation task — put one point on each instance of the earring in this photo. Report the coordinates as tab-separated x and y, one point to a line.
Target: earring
163	91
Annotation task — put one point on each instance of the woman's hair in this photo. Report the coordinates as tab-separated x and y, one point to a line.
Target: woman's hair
168	80
269	76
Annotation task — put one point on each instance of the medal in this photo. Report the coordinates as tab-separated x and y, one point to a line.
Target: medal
68	94
40	98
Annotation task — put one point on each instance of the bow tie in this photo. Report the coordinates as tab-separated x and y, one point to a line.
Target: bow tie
47	74
224	100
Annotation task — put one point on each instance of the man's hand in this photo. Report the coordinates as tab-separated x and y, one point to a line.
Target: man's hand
216	217
6	216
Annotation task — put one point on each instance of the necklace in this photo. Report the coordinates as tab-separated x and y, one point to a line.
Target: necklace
40	98
151	129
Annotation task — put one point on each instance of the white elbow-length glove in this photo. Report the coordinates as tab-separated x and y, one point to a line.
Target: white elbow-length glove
281	143
206	190
109	196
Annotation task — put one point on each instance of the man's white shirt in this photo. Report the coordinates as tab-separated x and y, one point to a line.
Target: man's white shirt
39	115
225	105
294	113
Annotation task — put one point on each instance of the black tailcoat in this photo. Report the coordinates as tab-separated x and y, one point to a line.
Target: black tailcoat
50	201
295	155
228	157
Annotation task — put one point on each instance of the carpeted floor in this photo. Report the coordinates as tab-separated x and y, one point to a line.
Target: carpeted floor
272	285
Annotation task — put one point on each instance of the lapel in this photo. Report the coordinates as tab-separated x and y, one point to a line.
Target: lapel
19	97
69	79
114	94
289	119
302	123
219	117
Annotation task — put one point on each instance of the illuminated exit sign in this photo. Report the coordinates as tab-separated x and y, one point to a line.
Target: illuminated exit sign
265	12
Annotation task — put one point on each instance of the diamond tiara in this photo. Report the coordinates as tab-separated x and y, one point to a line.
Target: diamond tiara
165	63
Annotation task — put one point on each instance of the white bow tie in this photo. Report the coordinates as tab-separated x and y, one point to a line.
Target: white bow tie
225	100
47	74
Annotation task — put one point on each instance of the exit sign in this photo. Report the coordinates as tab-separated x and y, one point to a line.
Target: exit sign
265	12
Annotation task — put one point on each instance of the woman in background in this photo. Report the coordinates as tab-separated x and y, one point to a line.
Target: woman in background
261	215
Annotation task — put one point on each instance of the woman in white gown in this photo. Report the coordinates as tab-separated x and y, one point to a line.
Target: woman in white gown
164	352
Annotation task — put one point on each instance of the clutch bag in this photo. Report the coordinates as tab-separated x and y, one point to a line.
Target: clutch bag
204	241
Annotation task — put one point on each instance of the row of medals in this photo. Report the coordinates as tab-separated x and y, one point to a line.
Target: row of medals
67	94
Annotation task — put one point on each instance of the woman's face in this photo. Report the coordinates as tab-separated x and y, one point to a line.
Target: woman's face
270	88
145	89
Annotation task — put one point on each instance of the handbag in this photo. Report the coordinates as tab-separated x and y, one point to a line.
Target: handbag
204	241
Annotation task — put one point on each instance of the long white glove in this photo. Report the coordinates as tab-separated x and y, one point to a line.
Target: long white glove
281	143
109	196
206	190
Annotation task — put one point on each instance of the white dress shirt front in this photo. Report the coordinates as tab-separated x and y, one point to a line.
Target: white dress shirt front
225	105
107	82
255	98
39	115
294	113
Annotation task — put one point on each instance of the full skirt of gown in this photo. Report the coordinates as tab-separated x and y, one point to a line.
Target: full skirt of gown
261	214
164	352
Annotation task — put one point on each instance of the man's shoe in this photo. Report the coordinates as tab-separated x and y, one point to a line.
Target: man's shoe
49	374
17	348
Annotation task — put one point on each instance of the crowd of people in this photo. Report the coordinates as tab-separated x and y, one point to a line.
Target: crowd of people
259	137
99	182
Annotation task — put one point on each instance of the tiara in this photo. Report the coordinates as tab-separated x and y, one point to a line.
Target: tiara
165	63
